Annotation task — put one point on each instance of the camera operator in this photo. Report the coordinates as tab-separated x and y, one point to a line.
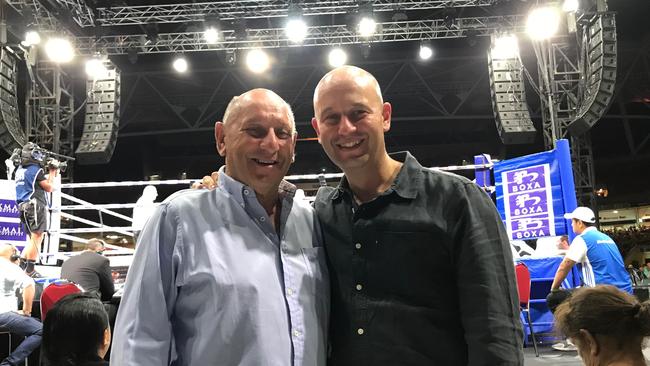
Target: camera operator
31	187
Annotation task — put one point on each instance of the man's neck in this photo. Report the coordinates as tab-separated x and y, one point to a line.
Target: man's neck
373	179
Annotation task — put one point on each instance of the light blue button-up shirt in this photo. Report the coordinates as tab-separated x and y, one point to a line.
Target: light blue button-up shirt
212	283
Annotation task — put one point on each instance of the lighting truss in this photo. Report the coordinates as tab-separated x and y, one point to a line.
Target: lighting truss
317	36
236	9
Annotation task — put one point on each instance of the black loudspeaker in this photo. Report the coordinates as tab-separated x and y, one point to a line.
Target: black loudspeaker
509	99
600	74
12	134
102	118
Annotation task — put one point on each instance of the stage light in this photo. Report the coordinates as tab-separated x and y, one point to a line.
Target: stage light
542	23
505	47
231	57
425	51
59	50
257	61
367	27
337	57
296	30
180	64
211	35
570	6
31	38
95	68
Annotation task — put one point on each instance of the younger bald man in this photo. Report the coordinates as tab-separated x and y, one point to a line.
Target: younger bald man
421	268
233	276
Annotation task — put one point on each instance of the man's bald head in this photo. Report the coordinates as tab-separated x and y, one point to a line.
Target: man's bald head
348	75
7	250
237	102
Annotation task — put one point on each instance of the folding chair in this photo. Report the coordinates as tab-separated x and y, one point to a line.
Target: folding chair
523	288
54	292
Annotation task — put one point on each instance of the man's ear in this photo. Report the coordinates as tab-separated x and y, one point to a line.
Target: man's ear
220	138
387	112
314	125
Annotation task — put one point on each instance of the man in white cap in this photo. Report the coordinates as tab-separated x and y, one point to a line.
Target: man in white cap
601	260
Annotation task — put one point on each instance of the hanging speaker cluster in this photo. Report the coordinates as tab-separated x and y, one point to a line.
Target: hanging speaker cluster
508	93
600	72
12	134
102	117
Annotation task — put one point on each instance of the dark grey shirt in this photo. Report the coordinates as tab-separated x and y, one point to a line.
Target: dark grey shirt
421	275
92	272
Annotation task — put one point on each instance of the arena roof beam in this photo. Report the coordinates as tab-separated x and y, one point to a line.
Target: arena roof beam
42	11
237	9
317	36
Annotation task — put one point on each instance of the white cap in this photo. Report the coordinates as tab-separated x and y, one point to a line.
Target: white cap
583	214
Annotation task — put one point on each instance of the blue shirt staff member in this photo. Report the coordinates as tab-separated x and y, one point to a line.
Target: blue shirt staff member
32	186
601	260
235	275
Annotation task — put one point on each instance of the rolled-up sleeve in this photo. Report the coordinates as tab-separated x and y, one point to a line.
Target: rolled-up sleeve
143	333
486	282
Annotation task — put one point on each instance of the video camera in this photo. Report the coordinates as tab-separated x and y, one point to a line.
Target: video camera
33	154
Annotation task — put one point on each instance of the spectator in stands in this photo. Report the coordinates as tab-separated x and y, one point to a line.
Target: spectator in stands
601	261
606	324
76	332
91	270
646	270
12	320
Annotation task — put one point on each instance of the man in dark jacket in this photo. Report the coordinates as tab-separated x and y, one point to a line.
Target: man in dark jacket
90	270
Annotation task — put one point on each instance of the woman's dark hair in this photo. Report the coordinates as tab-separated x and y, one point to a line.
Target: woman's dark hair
604	310
73	330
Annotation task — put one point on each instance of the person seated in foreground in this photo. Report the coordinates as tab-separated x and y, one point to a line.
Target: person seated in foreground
76	332
606	324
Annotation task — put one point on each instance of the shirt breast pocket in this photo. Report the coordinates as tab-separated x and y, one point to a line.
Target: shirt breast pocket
316	268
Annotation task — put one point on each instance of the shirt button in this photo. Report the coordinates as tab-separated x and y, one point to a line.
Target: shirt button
289	292
246	192
296	333
262	218
360	331
357	245
358	287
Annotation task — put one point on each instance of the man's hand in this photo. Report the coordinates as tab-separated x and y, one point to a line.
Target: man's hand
208	182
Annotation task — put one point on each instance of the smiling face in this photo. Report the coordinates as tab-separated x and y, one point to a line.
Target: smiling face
257	138
351	118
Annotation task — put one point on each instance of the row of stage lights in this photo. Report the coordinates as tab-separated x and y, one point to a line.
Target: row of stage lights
542	23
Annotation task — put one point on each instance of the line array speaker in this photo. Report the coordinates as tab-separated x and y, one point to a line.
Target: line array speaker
12	135
509	98
102	118
600	74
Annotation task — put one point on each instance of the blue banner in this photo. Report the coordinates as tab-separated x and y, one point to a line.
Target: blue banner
533	192
9	208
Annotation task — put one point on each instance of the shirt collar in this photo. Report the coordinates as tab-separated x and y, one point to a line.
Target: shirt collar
405	184
588	228
236	189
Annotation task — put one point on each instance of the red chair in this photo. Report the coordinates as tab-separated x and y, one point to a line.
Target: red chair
523	288
55	291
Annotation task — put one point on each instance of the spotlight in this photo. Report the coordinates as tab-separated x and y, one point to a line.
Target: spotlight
95	68
180	64
505	47
59	50
257	61
211	35
31	38
425	51
570	6
337	57
542	23
296	30
231	57
367	27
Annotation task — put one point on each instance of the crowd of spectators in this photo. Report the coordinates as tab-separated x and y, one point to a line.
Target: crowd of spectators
630	237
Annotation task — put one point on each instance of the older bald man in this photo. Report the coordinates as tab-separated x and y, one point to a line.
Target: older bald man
235	275
421	269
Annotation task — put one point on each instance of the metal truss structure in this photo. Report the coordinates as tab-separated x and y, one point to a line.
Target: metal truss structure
235	9
50	111
317	36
